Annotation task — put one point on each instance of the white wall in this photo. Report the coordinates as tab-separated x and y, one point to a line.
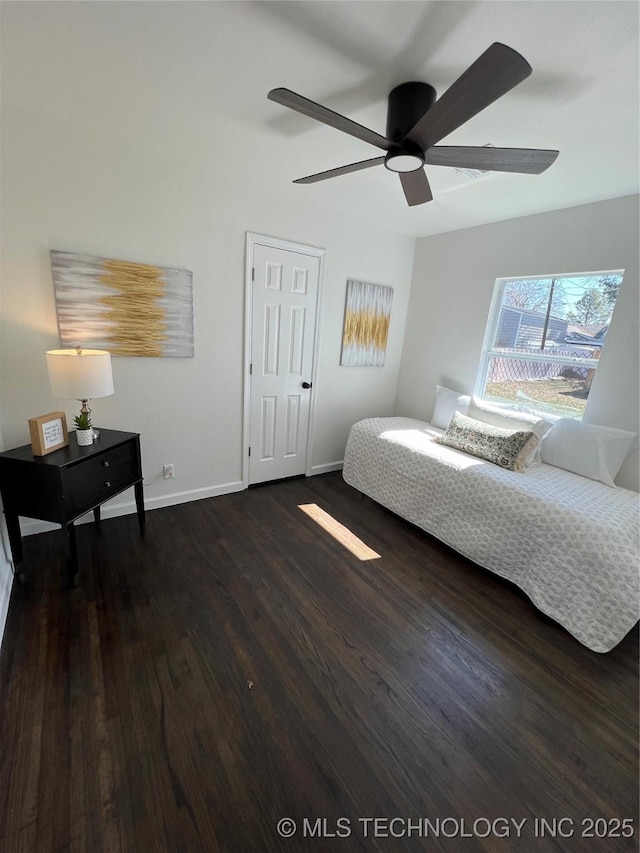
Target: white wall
453	281
66	188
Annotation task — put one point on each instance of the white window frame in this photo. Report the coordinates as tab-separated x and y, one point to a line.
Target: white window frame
488	352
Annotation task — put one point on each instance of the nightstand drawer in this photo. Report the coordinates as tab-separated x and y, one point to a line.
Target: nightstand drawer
98	466
93	481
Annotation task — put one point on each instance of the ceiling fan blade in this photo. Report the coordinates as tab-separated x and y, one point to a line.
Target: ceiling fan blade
492	75
341	170
309	108
529	161
416	187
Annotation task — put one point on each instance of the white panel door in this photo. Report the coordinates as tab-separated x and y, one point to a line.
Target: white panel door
283	317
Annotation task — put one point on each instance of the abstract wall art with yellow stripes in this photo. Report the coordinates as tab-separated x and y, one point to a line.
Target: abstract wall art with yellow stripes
366	324
127	308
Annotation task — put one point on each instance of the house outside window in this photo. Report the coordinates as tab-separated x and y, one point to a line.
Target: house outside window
544	339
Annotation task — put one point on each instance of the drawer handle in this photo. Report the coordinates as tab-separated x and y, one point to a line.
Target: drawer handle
107	484
105	463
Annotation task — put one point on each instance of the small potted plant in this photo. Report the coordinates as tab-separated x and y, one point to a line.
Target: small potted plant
84	432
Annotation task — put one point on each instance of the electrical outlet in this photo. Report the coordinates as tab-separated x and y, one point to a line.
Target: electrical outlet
167	472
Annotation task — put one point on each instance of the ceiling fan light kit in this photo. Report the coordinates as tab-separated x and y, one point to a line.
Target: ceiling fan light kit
404	160
416	122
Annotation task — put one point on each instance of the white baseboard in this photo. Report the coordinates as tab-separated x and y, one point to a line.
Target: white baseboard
30	526
326	467
192	495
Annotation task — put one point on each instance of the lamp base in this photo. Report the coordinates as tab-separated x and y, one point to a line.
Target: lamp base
85	410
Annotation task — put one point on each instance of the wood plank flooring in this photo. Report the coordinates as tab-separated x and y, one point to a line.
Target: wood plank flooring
240	665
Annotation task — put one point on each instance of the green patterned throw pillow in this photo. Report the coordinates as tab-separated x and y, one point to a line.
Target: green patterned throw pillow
505	447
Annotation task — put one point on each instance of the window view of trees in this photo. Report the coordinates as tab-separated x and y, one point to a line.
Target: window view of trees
584	299
549	335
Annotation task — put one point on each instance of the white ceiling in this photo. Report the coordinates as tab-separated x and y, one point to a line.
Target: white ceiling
189	80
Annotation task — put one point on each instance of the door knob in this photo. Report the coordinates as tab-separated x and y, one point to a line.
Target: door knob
307	384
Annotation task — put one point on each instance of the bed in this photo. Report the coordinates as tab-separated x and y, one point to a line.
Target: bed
570	543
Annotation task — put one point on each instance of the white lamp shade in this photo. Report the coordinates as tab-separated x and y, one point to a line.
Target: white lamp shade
80	376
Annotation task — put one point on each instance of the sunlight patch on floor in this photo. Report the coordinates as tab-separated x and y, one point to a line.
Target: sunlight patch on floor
339	532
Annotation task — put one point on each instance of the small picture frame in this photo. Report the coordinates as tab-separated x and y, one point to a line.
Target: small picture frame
48	433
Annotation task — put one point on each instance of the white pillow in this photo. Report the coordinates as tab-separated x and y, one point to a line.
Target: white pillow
510	418
592	451
448	402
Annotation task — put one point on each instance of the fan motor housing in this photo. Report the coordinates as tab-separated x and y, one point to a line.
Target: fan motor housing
407	103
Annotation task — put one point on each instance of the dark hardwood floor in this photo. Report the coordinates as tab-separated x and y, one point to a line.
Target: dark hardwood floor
240	666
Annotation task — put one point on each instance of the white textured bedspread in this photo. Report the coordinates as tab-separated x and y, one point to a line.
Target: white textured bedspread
570	543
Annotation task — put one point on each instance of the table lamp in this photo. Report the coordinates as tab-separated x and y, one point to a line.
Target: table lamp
80	374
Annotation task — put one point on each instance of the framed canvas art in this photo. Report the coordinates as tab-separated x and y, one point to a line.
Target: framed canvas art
367	315
127	308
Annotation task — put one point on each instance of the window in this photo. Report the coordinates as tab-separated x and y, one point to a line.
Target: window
544	338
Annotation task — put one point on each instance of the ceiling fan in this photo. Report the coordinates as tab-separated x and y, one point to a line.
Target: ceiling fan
416	122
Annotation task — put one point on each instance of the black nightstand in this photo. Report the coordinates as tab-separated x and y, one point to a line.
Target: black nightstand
68	483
